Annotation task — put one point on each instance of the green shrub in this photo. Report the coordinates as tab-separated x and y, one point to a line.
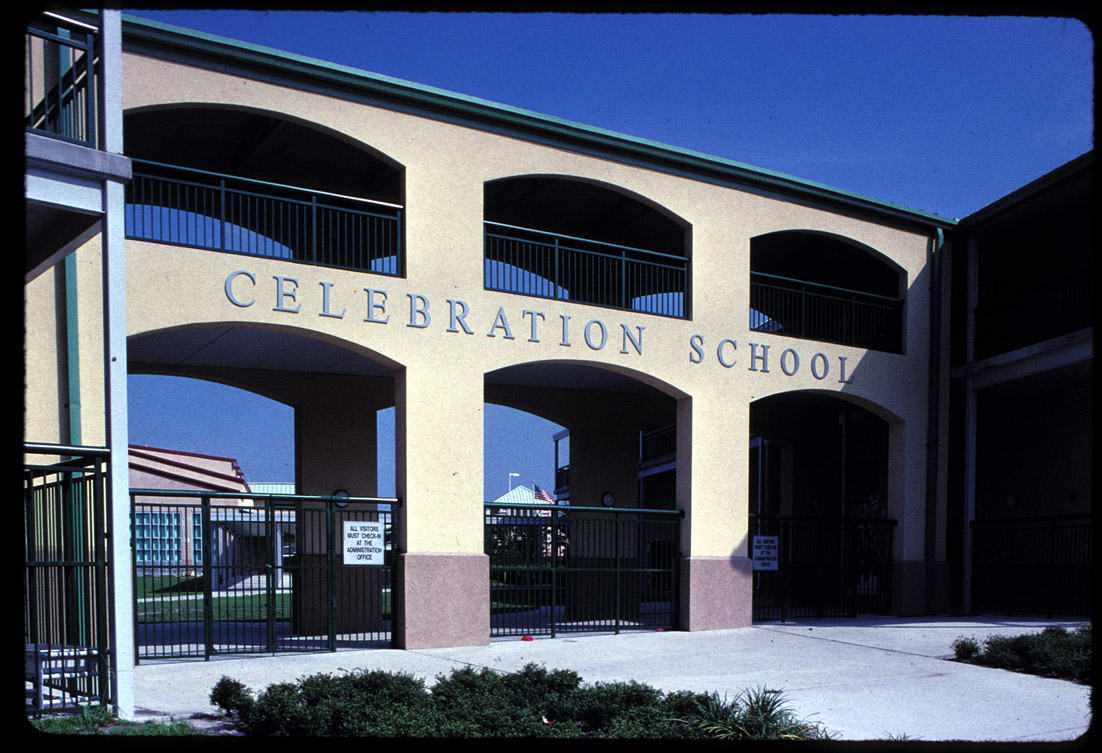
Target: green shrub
1054	652
965	649
232	697
595	707
469	702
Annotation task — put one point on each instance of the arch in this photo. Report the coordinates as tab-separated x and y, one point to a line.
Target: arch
578	239
596	210
873	407
242	141
822	286
245	180
837	449
507	385
227	351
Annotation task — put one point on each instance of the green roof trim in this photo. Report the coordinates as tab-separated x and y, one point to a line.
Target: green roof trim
287	63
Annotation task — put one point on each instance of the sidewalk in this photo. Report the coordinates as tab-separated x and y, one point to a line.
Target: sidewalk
862	679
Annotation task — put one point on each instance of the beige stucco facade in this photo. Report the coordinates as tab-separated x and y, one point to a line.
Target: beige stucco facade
435	333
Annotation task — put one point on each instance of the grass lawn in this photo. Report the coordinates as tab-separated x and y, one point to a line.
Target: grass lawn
245	608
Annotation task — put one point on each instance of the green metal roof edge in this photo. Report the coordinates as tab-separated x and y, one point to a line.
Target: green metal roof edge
1007	203
486	110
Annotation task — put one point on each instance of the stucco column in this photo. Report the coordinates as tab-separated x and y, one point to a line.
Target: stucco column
604	457
442	574
907	504
335	446
713	432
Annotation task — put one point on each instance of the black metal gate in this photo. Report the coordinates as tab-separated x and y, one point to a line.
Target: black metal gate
1036	565
218	573
577	569
825	567
65	579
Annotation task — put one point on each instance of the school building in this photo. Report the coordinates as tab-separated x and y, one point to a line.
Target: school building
781	399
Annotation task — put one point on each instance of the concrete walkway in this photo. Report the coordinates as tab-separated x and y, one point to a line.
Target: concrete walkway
862	679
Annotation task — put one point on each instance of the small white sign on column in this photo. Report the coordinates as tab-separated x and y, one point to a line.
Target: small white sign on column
363	542
764	552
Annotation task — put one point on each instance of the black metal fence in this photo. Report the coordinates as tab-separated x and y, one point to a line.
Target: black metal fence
200	209
218	573
826	567
544	265
1033	316
59	97
811	311
1033	565
65	579
555	570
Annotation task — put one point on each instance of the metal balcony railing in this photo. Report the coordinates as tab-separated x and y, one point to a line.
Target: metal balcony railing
561	267
811	311
1033	316
59	98
562	479
657	446
199	209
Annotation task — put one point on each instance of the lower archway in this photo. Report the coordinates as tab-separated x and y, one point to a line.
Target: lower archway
600	559
819	508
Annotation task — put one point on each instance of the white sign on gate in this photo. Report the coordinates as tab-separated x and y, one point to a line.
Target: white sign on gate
764	551
363	542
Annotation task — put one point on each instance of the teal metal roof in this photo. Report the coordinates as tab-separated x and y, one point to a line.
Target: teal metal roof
300	67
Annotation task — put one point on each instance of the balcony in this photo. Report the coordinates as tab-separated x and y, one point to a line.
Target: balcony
813	311
201	209
657	448
562	480
59	97
566	268
1027	317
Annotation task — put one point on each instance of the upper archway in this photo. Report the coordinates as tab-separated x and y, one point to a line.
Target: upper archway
261	146
573	239
246	181
817	286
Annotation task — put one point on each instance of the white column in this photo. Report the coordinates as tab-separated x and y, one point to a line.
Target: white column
121	597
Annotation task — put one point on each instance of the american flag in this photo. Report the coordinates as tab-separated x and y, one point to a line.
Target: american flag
542	495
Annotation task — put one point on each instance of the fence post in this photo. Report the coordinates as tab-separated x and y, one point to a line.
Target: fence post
1051	563
208	605
313	229
99	513
558	282
133	577
270	572
554	568
330	575
624	281
1010	581
222	214
616	530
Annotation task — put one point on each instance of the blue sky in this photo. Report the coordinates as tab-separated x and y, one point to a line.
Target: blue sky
940	114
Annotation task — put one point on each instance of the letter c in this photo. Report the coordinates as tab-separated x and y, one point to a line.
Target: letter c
229	287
